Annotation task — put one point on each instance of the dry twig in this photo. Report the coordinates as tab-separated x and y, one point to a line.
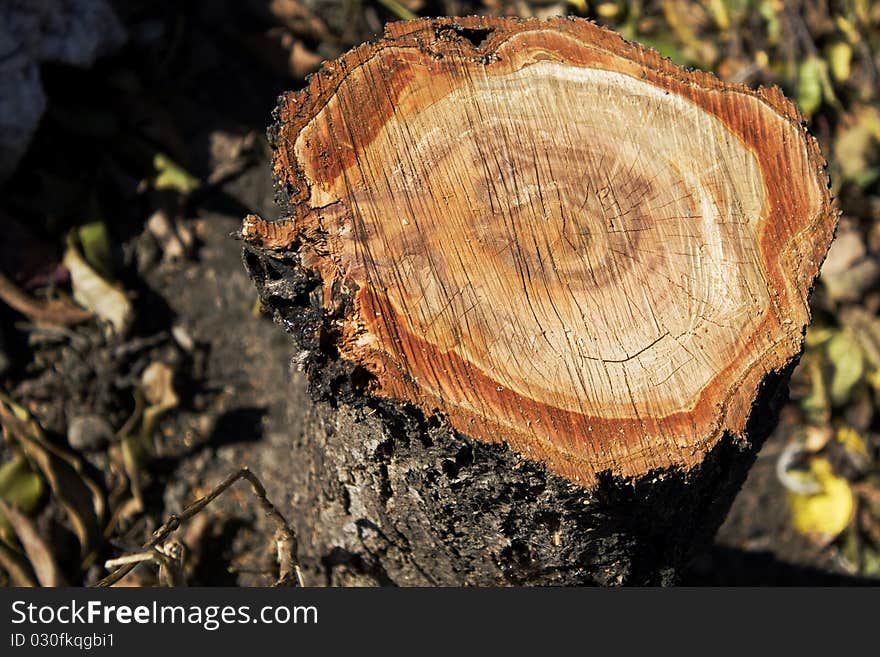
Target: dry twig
57	312
290	571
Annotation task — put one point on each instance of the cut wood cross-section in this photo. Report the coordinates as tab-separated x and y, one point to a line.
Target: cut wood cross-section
551	238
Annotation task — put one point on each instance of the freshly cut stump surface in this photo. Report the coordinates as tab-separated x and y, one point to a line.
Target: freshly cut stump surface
554	238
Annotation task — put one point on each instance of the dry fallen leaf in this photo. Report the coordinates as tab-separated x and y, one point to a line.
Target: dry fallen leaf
161	227
154	397
41	558
15	566
865	328
299	19
157	383
55	312
81	499
302	61
816	404
93	292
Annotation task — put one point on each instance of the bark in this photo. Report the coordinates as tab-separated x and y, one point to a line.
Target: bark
555	286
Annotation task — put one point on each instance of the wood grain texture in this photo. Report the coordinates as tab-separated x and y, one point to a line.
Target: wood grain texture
557	239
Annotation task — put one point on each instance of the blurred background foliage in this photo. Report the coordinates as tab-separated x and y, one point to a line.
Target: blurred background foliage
133	153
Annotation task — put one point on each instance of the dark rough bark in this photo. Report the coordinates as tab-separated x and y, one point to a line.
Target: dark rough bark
383	495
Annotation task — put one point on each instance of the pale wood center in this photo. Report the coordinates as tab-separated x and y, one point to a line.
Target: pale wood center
577	235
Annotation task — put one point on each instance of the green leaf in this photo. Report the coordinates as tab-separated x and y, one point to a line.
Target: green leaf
95	245
78	495
855	144
767	9
859	554
811	84
20	487
845	356
170	175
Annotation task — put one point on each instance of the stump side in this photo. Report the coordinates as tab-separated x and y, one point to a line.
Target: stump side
383	495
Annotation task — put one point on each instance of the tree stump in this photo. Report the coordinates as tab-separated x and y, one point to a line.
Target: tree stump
557	284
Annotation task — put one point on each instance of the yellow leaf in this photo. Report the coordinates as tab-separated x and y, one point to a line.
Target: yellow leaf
818	335
826	513
839	56
849	30
855	445
718	9
170	175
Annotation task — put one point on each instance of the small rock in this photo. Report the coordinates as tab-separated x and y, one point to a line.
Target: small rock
89	433
854	283
849	271
846	250
859	413
183	338
162	228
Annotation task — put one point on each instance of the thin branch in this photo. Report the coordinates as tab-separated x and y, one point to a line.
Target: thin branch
285	536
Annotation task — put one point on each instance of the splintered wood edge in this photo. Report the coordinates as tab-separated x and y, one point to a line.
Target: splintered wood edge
792	260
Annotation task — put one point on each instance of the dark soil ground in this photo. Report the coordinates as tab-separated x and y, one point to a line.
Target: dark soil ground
198	82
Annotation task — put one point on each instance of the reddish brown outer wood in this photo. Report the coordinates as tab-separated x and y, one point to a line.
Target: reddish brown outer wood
795	230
